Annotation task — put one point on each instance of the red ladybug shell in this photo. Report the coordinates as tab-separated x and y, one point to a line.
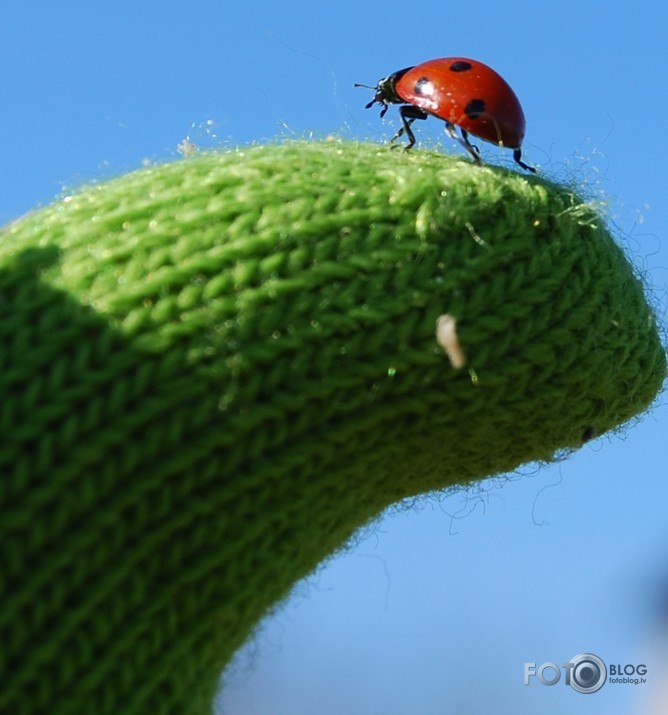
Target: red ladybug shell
467	93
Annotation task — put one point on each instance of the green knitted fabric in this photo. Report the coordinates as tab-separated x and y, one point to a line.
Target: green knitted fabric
213	372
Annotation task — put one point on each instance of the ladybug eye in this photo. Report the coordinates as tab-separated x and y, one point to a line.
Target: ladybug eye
424	87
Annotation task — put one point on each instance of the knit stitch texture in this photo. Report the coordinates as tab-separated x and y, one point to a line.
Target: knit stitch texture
213	372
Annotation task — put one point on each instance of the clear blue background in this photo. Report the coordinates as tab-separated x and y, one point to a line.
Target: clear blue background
436	609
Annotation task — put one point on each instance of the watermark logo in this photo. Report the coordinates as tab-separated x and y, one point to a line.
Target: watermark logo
585	673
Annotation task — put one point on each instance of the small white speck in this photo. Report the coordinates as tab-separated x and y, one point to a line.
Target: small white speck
186	148
447	338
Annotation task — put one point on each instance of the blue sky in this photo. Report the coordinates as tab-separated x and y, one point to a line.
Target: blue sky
436	609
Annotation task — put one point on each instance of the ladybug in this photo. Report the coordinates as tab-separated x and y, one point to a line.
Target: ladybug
463	93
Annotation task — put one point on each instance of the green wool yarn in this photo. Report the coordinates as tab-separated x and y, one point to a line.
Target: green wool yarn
214	371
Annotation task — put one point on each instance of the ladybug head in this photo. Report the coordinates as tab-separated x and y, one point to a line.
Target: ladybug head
379	97
386	93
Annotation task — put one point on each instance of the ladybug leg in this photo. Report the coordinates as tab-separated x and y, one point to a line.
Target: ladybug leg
464	141
517	155
408	114
469	146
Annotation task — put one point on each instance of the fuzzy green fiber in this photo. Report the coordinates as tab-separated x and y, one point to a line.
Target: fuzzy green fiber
213	372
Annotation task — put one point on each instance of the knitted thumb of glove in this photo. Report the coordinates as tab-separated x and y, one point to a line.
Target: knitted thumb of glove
215	371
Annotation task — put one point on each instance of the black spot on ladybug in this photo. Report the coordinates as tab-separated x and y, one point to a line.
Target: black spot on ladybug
475	108
423	86
460	66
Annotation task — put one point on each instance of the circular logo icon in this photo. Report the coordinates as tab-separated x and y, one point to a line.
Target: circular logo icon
588	673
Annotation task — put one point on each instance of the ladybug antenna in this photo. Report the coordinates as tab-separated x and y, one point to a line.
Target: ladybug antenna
374	100
378	98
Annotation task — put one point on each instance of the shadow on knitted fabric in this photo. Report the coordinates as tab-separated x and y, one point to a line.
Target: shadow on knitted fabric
112	576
